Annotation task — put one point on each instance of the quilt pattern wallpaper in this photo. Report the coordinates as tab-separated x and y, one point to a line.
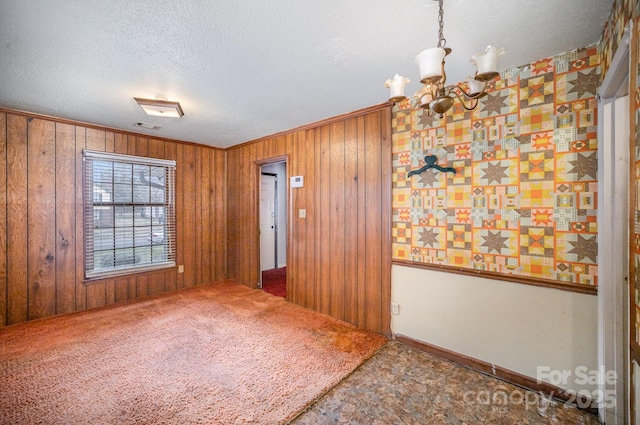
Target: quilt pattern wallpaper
621	13
523	200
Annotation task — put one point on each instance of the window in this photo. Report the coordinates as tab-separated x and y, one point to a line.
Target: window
129	214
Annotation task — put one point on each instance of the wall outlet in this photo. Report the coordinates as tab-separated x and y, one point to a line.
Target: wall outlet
302	213
180	268
395	308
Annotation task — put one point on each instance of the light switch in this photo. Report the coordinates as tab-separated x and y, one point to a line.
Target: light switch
302	213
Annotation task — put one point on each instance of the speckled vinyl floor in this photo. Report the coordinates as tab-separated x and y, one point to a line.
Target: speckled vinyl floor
400	385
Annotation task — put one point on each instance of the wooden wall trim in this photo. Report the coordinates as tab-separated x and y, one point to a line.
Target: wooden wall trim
316	124
267	161
564	286
100	127
498	372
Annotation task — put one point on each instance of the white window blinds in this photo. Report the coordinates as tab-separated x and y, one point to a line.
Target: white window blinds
129	214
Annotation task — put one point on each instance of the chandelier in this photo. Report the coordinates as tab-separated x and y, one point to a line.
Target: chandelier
434	96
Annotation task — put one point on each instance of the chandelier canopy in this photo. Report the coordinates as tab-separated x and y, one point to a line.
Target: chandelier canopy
434	96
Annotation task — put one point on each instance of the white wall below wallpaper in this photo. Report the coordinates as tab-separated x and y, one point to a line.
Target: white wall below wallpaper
512	325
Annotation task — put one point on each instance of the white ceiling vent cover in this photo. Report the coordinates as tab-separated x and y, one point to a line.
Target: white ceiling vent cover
147	125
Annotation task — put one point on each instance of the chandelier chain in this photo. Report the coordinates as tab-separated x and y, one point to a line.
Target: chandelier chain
441	40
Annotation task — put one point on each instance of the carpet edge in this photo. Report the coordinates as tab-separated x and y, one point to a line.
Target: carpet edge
331	387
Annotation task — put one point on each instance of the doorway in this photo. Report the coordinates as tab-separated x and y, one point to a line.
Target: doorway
613	239
273	228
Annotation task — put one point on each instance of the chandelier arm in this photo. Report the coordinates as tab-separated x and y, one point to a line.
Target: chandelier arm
478	95
414	106
462	100
443	80
418	104
426	110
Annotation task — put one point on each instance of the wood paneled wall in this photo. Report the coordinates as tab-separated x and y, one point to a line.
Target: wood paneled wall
41	225
338	259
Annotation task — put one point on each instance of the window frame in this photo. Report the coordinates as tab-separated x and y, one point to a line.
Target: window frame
90	204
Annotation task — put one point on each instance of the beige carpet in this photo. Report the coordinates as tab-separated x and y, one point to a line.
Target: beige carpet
220	353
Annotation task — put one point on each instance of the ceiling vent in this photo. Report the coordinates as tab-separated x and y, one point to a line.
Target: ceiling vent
148	126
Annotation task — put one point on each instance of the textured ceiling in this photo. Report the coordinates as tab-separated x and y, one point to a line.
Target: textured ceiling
243	69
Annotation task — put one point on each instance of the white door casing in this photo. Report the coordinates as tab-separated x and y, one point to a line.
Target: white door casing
613	240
